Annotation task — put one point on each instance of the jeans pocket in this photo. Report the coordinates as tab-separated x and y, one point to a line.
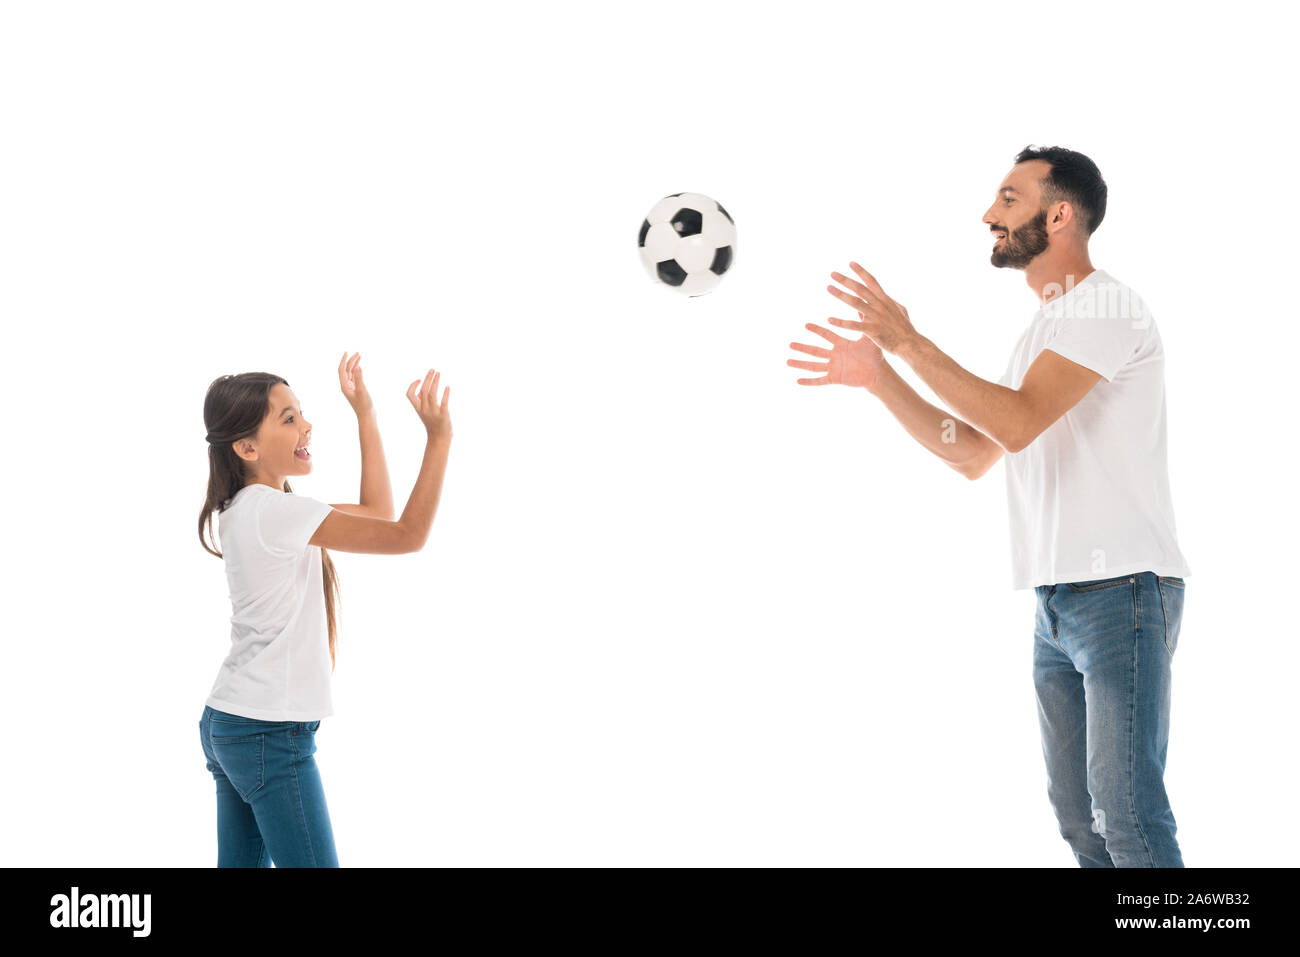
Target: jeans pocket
1099	584
208	756
1176	582
1172	594
243	759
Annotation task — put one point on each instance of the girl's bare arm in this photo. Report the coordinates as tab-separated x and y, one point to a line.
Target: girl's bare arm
376	500
346	532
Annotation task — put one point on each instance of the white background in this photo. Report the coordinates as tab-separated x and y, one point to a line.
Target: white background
675	608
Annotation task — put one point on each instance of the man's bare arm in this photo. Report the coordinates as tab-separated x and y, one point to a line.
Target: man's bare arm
992	409
1012	418
957	443
1009	417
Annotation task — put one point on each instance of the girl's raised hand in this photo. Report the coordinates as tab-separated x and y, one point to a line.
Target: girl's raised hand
353	386
435	416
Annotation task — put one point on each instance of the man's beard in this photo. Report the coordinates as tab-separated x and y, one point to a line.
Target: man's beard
1021	246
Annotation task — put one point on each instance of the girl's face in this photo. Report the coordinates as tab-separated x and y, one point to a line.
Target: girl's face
280	447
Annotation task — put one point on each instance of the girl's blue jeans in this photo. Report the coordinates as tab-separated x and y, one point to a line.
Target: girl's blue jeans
1102	656
270	802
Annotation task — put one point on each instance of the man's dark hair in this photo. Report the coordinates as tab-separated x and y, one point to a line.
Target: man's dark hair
1074	179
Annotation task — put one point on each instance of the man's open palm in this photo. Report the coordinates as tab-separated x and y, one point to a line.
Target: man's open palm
854	362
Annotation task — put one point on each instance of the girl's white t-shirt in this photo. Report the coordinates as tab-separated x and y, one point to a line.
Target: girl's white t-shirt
1089	498
278	668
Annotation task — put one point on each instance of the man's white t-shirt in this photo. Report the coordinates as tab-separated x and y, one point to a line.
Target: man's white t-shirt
278	668
1089	498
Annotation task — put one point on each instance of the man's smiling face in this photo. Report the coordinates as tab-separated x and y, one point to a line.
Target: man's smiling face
1016	220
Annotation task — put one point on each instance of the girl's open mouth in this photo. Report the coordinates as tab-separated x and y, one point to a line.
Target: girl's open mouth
302	453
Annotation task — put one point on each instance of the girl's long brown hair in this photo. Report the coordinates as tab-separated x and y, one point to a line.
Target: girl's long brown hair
232	410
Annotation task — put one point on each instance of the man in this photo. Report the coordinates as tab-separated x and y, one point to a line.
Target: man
1080	415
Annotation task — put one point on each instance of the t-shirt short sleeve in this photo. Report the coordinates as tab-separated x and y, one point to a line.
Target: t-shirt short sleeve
1103	344
288	521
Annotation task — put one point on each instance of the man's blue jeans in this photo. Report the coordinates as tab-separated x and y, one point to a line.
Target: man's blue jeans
270	802
1102	656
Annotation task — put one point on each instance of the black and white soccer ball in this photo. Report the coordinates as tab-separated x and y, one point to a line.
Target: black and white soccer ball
688	243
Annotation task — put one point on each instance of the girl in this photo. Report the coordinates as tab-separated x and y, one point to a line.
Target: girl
259	723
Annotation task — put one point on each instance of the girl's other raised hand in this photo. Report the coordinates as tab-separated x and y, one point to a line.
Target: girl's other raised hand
434	414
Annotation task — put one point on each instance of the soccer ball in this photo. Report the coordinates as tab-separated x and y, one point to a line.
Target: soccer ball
688	243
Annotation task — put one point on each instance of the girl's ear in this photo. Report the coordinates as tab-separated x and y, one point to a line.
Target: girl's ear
245	449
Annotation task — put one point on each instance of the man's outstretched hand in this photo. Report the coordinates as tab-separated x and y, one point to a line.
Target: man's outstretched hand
880	317
855	362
